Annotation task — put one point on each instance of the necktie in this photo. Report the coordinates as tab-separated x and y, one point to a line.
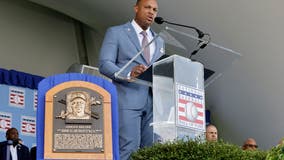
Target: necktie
147	49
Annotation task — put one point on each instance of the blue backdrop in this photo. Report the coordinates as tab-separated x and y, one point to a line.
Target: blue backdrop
18	104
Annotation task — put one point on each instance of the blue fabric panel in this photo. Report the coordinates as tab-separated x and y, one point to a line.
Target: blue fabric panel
52	81
20	79
4	76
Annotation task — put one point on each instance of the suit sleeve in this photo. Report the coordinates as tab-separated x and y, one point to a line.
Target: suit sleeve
109	53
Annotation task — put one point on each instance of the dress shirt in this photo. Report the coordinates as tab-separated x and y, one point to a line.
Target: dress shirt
150	36
13	151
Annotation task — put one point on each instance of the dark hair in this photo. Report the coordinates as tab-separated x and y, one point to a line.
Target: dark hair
9	130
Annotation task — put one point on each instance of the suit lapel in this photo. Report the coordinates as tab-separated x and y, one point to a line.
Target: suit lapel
134	39
19	152
129	30
5	150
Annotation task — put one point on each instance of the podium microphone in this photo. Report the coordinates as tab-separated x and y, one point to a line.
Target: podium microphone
160	20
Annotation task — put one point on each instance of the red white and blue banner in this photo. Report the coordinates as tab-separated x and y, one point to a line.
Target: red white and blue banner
191	107
17	97
28	126
5	121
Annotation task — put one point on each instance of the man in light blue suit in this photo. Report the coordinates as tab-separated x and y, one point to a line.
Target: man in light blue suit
122	43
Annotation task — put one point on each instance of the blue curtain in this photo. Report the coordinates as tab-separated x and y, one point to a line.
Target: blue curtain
21	79
52	81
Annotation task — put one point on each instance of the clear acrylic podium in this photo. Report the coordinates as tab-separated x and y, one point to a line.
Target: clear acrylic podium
178	99
178	83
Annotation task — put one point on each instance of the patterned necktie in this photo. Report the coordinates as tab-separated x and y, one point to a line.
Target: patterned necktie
147	49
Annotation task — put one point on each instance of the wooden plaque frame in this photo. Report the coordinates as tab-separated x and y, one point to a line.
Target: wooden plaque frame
48	130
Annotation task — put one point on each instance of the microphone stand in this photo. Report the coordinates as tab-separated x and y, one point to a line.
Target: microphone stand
200	45
199	32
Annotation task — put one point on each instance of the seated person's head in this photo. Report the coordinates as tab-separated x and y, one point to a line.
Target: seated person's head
250	144
211	133
12	134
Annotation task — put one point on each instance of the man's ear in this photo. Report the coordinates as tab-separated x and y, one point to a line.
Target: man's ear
135	8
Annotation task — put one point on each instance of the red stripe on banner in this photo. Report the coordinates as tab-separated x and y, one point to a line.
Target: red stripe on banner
185	119
15	94
182	101
20	103
24	126
20	95
199	121
25	123
198	105
181	109
12	101
24	129
200	114
32	131
7	120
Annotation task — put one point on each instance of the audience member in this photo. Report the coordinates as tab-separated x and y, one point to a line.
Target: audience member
211	133
11	149
33	153
249	144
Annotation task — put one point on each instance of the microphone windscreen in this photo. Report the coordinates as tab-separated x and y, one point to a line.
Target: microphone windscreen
159	20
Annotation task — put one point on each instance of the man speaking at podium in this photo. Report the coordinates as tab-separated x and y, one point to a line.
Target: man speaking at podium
120	45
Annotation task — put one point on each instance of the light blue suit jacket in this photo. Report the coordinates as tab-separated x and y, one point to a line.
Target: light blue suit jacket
119	46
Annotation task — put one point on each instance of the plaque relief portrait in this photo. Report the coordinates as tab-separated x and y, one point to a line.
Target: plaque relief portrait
78	105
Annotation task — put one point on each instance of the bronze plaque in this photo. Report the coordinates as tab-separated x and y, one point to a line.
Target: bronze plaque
78	125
